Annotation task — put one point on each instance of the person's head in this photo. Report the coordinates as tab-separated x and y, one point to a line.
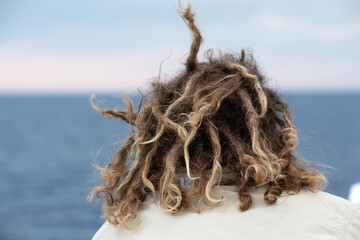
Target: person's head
215	115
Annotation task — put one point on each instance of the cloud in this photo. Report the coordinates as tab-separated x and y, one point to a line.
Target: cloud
349	30
309	74
31	72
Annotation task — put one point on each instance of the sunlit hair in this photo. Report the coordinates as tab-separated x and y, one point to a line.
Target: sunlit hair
214	115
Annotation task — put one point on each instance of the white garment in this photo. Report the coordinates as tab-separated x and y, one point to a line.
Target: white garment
306	215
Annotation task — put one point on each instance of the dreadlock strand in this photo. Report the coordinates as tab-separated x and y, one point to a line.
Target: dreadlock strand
216	168
146	168
188	89
257	85
128	116
170	193
253	125
188	17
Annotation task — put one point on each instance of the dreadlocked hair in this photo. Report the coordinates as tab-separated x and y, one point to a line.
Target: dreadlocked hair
214	115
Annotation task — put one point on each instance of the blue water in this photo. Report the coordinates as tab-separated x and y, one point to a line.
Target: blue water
49	143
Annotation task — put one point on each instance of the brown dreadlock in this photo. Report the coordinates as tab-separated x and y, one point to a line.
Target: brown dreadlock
215	115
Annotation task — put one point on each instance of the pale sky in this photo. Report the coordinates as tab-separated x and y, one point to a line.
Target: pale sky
115	45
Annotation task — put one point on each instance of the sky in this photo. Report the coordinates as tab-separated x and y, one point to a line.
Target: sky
72	46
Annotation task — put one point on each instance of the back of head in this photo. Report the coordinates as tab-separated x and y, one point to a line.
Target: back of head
216	116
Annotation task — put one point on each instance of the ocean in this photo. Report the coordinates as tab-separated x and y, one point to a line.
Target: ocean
50	143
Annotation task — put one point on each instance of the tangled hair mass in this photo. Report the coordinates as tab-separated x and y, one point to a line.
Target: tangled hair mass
214	115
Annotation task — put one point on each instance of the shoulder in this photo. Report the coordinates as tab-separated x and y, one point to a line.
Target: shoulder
106	231
322	200
349	227
318	202
352	230
327	211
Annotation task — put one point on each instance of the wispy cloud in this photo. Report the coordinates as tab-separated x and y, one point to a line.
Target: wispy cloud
299	73
349	30
33	72
29	72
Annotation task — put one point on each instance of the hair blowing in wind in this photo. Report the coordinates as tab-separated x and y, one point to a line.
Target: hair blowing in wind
214	115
